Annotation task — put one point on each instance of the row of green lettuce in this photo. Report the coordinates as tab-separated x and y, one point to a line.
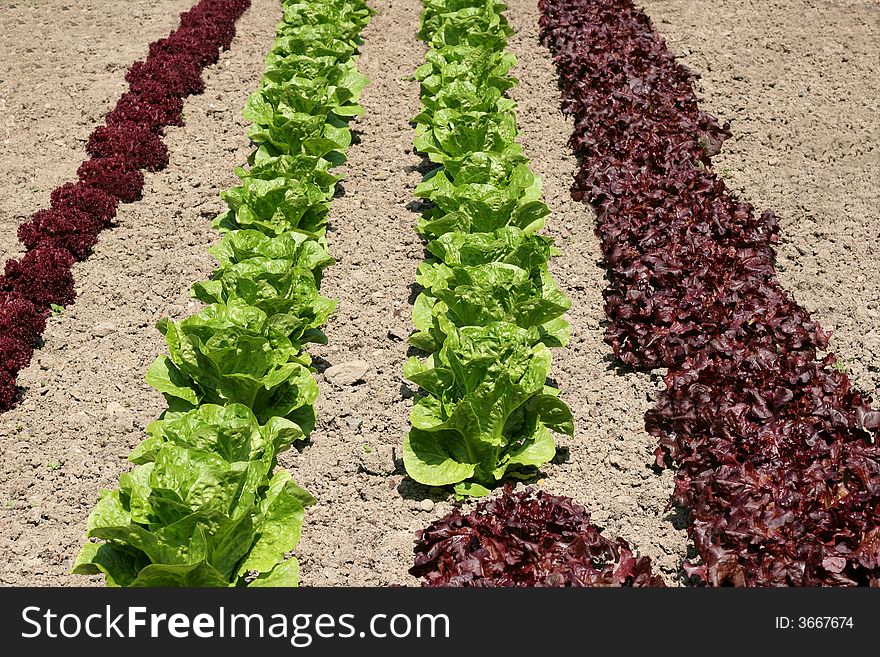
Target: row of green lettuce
489	309
206	504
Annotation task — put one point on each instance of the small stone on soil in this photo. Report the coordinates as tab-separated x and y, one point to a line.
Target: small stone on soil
346	374
103	329
115	408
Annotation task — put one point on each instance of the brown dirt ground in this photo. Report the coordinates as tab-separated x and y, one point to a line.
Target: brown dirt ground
87	404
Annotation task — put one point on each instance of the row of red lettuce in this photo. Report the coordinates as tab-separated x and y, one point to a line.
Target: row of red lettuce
129	142
775	453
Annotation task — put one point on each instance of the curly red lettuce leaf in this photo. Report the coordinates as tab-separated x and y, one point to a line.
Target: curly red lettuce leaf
527	538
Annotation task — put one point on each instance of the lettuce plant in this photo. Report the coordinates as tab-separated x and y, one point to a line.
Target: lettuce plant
203	507
485	68
485	294
151	108
487	414
235	353
489	308
206	504
43	276
134	142
76	196
275	287
527	538
279	194
67	229
113	176
776	454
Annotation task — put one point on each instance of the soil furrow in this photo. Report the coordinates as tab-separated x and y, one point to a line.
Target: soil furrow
361	530
606	466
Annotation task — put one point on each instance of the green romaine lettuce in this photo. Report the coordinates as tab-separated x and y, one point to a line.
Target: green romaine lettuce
488	412
235	354
489	308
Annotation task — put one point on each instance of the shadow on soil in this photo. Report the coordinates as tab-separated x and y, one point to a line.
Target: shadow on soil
320	364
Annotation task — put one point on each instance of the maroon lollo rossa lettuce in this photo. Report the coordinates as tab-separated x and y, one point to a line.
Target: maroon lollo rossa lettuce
777	456
526	538
42	276
135	143
94	202
68	229
20	318
14	355
112	175
181	76
130	141
147	108
189	43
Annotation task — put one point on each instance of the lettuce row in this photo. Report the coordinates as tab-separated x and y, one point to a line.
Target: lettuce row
489	309
206	504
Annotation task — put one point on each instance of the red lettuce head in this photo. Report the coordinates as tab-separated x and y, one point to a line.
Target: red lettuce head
43	276
67	229
95	202
526	539
113	176
135	144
